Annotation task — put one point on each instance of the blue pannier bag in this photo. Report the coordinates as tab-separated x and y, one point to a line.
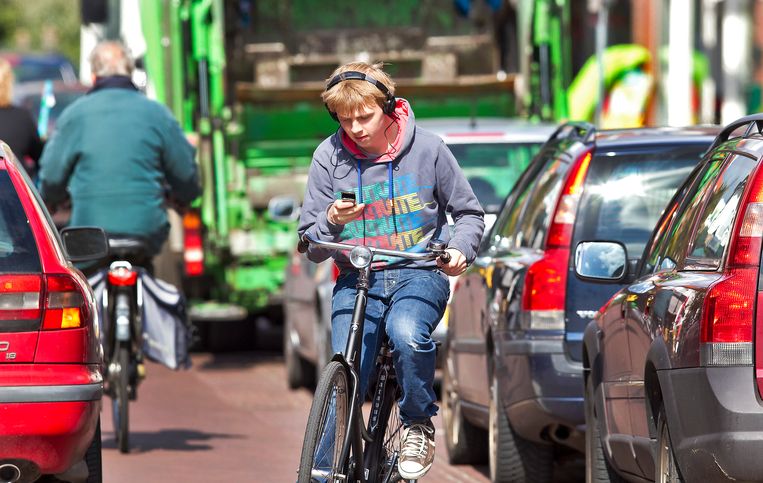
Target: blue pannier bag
166	328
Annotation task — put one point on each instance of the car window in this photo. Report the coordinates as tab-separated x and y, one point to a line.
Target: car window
534	220
18	251
670	248
626	191
504	221
493	168
717	218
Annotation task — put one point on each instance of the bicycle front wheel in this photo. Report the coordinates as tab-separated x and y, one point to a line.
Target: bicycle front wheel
120	401
327	426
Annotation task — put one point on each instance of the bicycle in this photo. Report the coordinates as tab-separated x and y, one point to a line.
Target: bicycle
122	301
334	454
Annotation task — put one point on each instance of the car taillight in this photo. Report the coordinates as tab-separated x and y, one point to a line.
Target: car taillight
193	253
545	284
729	308
64	303
560	231
20	297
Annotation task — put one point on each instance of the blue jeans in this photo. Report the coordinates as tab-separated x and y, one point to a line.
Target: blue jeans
407	303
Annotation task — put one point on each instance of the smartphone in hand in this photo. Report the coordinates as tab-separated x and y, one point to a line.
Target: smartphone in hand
348	196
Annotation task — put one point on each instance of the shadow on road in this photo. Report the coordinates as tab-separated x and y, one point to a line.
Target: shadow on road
168	439
234	360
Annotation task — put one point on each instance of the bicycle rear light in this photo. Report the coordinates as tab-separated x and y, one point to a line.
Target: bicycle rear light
123	276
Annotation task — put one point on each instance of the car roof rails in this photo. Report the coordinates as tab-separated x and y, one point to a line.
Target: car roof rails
754	125
584	131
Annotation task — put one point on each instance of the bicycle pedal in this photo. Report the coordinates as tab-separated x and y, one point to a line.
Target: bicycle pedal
141	369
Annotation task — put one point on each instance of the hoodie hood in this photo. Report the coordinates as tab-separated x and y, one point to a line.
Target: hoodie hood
406	123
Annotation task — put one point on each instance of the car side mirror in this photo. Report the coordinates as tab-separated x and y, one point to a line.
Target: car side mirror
283	208
85	244
601	261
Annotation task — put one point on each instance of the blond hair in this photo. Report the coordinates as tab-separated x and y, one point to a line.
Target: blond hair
350	95
6	83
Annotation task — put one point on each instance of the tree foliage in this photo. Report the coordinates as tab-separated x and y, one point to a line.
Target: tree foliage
41	25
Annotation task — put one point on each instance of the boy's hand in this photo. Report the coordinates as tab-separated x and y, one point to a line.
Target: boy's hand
342	212
457	264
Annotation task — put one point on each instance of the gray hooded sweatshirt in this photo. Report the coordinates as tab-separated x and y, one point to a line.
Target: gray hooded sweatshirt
426	183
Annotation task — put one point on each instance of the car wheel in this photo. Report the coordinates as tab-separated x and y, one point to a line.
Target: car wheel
511	457
597	467
93	457
298	371
666	466
466	443
323	348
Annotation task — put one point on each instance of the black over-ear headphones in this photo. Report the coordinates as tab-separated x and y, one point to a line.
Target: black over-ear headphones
389	104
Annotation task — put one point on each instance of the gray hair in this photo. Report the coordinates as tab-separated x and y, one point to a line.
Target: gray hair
111	58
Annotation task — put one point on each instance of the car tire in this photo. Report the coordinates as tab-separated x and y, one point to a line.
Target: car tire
666	467
465	442
511	457
298	371
597	467
93	457
323	347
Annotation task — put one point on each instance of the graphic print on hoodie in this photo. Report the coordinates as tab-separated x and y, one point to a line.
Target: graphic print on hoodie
426	182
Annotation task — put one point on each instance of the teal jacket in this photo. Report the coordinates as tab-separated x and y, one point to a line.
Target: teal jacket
118	154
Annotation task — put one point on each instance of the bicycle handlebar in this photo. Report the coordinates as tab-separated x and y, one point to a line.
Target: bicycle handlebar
306	240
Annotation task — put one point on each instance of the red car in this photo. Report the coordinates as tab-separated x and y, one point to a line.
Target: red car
50	356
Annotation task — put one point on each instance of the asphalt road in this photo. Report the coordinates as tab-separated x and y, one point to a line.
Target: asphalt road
231	418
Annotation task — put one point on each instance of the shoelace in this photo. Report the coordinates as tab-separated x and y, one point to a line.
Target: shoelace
415	440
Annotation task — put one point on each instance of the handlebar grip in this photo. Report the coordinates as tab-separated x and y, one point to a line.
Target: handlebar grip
302	245
445	257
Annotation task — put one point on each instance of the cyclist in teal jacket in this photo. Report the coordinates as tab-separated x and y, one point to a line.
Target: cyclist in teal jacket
118	155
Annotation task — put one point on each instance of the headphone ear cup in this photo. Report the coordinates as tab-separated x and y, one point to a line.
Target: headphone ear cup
331	113
389	105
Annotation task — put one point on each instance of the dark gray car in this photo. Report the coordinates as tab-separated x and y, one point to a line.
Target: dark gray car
671	358
514	348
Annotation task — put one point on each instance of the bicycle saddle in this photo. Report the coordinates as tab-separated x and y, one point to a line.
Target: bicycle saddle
123	246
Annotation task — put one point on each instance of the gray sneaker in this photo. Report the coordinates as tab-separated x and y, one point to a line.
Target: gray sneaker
417	453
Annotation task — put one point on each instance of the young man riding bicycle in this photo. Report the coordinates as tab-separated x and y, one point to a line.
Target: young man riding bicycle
404	180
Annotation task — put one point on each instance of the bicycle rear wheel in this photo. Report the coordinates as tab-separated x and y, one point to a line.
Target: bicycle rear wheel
327	426
120	401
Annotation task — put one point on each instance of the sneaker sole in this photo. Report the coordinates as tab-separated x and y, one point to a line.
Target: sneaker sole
413	476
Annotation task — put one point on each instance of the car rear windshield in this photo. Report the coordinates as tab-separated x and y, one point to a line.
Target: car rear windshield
626	191
493	168
18	251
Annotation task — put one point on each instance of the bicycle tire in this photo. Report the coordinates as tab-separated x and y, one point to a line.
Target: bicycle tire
329	412
381	454
120	402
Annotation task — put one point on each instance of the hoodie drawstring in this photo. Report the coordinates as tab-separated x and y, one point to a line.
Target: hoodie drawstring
390	195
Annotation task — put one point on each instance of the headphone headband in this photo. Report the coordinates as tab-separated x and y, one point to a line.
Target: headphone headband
389	103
